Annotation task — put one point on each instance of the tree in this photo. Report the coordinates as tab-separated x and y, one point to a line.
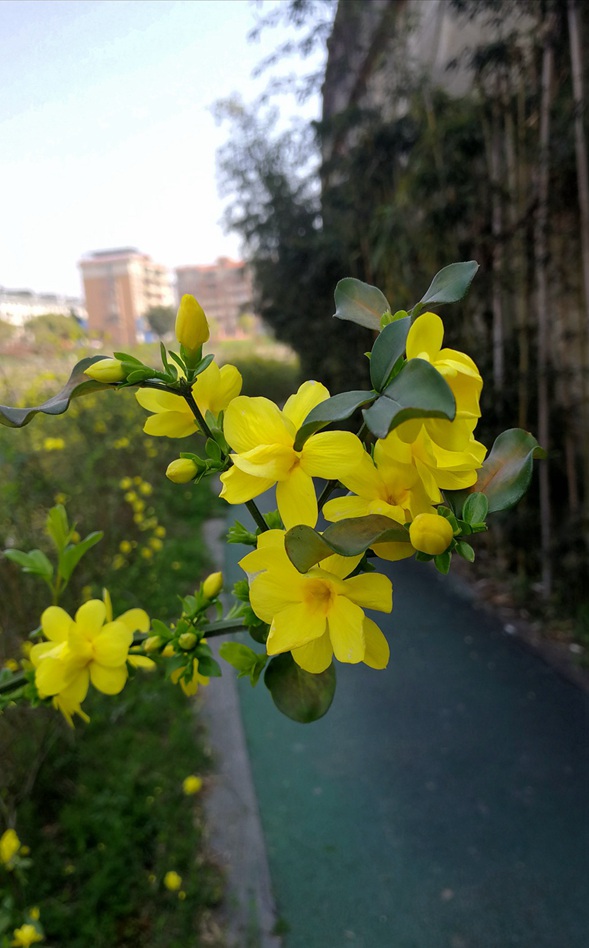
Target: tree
160	320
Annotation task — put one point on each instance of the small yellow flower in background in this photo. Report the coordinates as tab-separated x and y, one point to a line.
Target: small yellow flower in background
430	533
192	328
191	687
35	913
262	437
25	936
156	544
118	561
121	443
106	370
146	553
125	546
100	427
130	496
182	895
60	498
181	471
53	444
213	390
160	531
320	613
145	489
212	585
191	784
138	518
11	665
125	483
9	847
172	881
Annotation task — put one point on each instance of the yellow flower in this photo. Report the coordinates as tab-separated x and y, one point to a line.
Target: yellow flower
106	370
125	483
11	665
191	784
460	372
121	443
90	648
60	498
389	485
263	438
53	444
125	546
212	585
192	328
25	936
439	467
319	613
188	687
181	471
156	544
213	390
9	847
172	881
431	533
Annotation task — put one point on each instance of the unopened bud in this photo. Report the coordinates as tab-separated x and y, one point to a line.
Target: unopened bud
152	643
181	471
192	328
106	370
430	533
187	641
212	585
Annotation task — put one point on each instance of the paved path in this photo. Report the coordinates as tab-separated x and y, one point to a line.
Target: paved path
442	803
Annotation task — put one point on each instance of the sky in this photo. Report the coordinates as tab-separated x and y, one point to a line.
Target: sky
106	132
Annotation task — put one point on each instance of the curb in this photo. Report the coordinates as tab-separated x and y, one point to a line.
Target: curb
234	831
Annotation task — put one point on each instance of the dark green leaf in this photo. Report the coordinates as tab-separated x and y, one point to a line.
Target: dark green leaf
448	286
77	384
332	409
505	475
418	391
465	550
360	303
209	667
386	351
306	547
442	562
298	694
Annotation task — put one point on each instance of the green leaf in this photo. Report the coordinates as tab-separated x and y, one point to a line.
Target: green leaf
249	664
418	391
209	667
58	528
298	694
442	562
506	473
476	508
34	562
387	350
70	557
77	384
306	547
332	409
448	286
360	303
465	550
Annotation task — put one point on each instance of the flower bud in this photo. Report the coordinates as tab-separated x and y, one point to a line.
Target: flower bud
212	585
172	881
191	784
181	471
106	370
187	640
430	533
192	328
152	643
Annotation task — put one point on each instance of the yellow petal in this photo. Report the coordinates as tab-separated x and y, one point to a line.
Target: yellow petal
425	336
112	645
345	622
316	656
250	422
171	424
363	479
56	624
110	681
272	461
371	591
154	400
309	395
296	499
293	626
52	676
342	508
273	590
239	486
90	617
331	454
393	551
377	652
141	661
136	620
216	387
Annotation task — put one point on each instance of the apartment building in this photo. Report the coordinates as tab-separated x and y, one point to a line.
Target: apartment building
223	289
120	286
17	307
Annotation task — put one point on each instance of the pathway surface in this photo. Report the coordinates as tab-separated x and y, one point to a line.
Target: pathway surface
442	803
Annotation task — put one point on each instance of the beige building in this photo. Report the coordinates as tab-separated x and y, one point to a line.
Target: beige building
120	286
17	307
223	289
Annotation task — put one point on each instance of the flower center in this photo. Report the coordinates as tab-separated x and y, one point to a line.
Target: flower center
319	595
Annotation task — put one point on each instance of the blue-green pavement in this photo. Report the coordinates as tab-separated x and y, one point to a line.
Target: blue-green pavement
441	803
